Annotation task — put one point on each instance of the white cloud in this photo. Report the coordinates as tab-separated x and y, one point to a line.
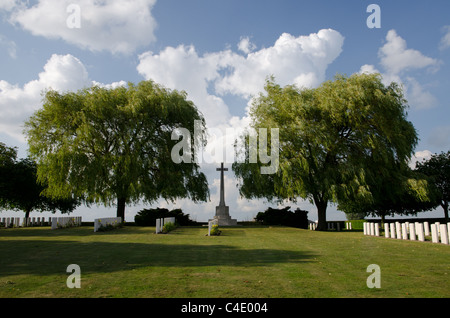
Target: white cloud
115	26
17	104
397	61
445	41
245	45
395	57
419	156
299	60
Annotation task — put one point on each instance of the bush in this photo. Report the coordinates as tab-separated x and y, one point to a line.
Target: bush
357	224
285	217
169	226
215	230
147	217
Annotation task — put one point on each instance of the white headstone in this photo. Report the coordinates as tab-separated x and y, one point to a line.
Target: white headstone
420	232
392	229
377	229
404	232
412	232
398	230
434	234
372	228
426	228
444	234
386	230
158	226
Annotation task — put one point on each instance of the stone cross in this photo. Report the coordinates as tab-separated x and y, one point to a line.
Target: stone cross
222	216
222	187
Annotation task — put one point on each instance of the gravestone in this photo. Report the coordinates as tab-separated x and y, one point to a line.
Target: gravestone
434	234
420	232
398	230
412	232
444	235
404	232
386	230
392	229
222	216
426	228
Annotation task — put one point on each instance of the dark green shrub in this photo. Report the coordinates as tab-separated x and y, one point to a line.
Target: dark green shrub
147	217
298	218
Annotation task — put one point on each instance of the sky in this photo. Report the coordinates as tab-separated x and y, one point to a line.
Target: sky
220	52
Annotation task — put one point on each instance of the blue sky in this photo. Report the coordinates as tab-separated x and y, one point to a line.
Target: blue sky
220	52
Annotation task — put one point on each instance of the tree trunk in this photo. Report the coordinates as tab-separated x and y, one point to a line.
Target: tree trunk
27	213
121	208
445	207
322	216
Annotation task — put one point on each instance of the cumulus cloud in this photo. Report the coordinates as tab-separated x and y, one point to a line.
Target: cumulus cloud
245	45
397	61
115	26
17	104
299	60
395	57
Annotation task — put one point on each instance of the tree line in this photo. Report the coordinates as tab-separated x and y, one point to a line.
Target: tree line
346	142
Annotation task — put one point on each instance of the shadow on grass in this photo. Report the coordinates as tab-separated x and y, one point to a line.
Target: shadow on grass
45	257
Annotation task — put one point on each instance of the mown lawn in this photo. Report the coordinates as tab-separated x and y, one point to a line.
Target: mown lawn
243	262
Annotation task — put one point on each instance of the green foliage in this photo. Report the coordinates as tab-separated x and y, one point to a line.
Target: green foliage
110	227
169	226
114	145
147	217
20	190
298	218
357	224
332	139
215	231
437	170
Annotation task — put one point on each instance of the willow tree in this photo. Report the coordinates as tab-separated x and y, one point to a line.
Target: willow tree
114	145
328	139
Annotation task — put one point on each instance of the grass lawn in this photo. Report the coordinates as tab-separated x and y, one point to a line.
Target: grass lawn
242	262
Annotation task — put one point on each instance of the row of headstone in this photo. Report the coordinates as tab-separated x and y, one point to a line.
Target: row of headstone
331	226
40	221
160	223
65	222
107	222
411	231
10	222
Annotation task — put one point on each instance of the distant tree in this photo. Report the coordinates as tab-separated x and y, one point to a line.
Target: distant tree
147	217
284	216
437	169
328	138
114	145
19	189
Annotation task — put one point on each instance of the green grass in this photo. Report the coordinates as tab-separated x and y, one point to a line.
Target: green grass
242	262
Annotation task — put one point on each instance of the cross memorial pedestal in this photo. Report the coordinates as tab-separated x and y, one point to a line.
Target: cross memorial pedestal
222	216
